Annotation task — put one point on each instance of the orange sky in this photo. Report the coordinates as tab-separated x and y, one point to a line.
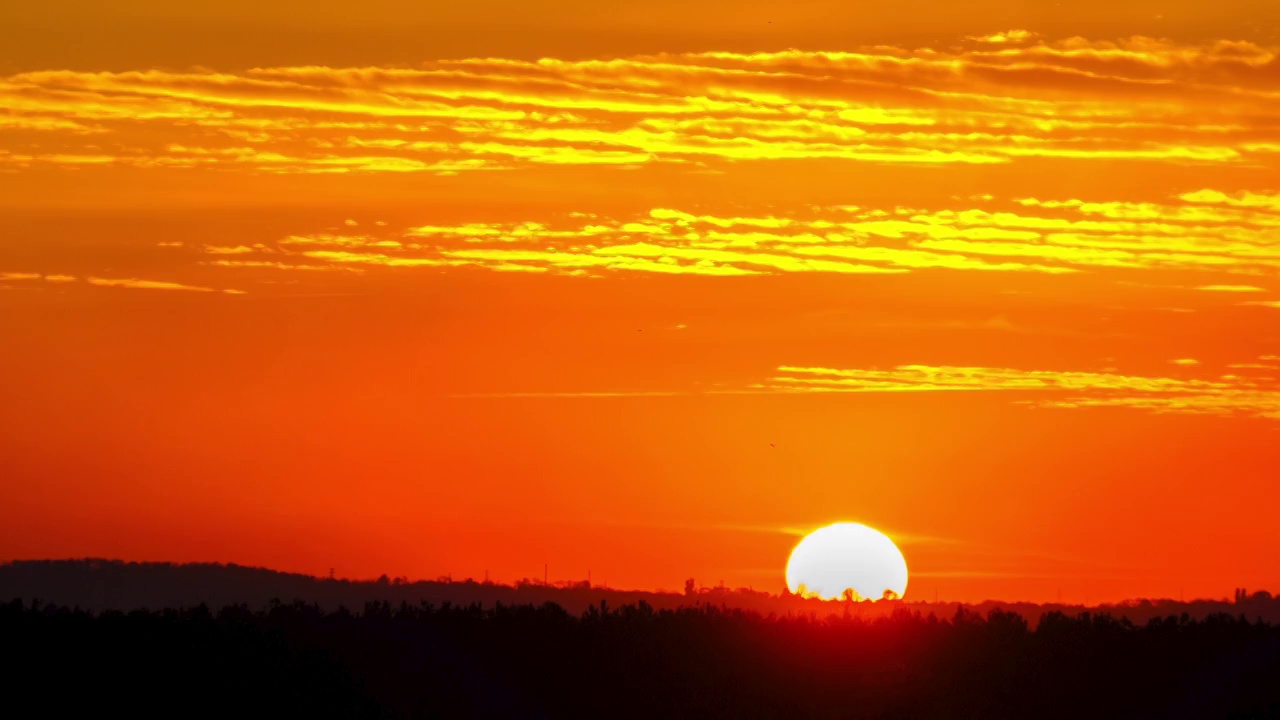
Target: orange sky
646	292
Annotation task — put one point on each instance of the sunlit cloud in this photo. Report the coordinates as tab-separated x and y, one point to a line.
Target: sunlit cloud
800	530
1007	97
926	378
1232	288
137	284
1001	38
1025	235
130	283
1225	395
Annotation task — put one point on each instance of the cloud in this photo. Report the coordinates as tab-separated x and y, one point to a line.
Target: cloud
1227	395
1001	38
1022	235
135	283
132	283
1007	97
1232	288
802	529
236	250
927	378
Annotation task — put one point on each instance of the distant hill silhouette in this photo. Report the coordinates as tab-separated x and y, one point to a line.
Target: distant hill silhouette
98	585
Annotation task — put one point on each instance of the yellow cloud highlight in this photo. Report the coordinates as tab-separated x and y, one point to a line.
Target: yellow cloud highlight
1231	288
1228	395
915	378
137	284
1250	200
1001	38
1005	97
1023	235
133	283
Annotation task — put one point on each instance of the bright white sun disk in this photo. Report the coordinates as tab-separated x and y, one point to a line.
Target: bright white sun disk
836	558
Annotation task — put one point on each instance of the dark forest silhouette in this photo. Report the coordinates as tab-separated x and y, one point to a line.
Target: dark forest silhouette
408	661
496	654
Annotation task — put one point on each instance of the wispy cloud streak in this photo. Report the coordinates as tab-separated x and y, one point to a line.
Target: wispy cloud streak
1218	238
1001	98
1228	394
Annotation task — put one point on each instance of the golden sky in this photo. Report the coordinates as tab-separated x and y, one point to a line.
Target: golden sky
647	289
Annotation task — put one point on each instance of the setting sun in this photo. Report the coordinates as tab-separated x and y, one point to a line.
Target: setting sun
847	556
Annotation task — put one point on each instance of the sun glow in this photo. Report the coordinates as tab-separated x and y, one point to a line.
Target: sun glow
847	560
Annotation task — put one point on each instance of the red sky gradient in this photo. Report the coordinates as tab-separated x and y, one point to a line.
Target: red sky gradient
646	293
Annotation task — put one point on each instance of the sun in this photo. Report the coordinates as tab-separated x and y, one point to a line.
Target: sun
843	557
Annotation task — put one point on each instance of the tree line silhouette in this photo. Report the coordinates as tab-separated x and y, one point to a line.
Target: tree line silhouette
464	661
96	584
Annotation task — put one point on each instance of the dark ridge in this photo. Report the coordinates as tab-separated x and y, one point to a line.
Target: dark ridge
95	584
